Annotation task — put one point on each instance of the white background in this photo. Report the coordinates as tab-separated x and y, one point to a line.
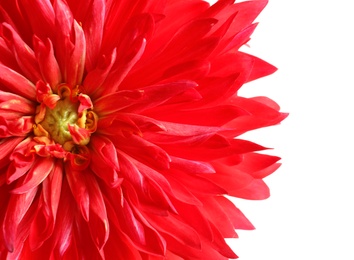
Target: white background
310	214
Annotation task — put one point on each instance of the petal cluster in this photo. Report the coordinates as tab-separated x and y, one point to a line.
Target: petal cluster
119	125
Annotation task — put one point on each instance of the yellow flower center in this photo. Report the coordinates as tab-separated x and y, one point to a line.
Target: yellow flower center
56	120
65	119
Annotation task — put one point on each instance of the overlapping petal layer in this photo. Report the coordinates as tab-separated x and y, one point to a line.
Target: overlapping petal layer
147	91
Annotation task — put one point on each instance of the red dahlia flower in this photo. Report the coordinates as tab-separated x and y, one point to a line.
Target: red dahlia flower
118	121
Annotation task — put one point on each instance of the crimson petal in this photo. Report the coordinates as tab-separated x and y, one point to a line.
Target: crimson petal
43	225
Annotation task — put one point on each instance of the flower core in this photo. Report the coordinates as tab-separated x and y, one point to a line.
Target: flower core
57	120
65	118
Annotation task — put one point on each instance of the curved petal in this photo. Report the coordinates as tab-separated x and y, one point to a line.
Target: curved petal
93	29
44	222
78	186
24	54
98	222
39	171
17	207
15	83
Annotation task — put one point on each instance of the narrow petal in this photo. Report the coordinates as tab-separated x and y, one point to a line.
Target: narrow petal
63	46
7	146
191	166
80	136
216	215
76	61
63	231
183	193
178	229
237	218
97	76
43	225
98	223
118	74
144	151
192	215
105	164
197	184
79	190
17	207
12	127
159	94
24	54
112	103
21	160
143	236
213	116
41	17
256	190
38	172
47	62
199	152
16	83
93	28
16	103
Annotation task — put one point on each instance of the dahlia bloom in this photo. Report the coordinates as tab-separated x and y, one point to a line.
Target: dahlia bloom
118	128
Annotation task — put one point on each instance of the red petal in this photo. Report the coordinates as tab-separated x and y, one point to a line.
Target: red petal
130	172
260	69
240	38
85	103
95	77
66	212
126	249
22	160
144	151
177	229
93	28
115	102
229	177
38	172
15	127
63	47
47	62
205	153
159	94
192	215
16	83
182	193
7	146
141	234
43	225
98	223
17	208
197	183
189	34
76	62
40	14
105	160
188	70
24	54
236	216
116	77
79	190
190	166
211	116
80	136
217	215
13	102
220	245
256	190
